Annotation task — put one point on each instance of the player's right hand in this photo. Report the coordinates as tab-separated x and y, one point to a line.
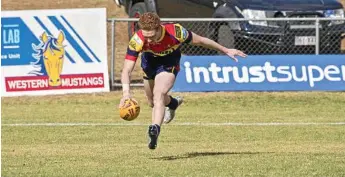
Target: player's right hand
123	99
233	52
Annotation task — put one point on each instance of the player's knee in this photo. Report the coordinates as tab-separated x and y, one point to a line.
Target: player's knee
158	97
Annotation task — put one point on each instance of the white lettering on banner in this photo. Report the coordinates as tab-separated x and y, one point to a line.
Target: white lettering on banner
36	84
14	56
303	78
214	70
257	74
204	71
11	56
312	79
10	36
245	77
226	71
331	69
79	81
189	77
28	84
268	68
284	70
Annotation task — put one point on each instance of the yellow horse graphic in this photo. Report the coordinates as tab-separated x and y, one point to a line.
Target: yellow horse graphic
53	53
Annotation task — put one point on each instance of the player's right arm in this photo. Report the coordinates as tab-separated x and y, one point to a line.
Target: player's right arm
134	48
208	43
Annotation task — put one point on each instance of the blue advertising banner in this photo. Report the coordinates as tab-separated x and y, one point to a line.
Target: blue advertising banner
261	73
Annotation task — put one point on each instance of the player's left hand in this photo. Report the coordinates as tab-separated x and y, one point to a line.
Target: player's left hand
234	52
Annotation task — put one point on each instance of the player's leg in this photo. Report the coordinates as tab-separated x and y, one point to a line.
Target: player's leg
173	102
163	83
148	76
148	88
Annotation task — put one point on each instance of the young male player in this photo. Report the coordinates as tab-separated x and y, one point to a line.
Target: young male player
159	45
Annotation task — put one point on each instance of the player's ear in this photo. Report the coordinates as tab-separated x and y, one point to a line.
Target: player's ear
61	37
158	28
44	37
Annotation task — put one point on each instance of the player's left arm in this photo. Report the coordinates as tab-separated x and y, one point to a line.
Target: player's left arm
208	43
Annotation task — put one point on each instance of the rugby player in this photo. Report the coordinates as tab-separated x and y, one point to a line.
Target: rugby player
159	45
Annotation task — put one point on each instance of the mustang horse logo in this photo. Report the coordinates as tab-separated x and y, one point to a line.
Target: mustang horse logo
49	57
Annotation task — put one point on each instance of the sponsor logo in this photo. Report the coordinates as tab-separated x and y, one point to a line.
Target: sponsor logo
166	52
184	33
50	56
311	74
177	31
137	39
133	44
72	81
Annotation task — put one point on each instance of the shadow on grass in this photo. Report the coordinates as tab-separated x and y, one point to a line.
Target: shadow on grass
203	154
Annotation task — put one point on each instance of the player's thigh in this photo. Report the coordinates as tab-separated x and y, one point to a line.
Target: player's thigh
164	81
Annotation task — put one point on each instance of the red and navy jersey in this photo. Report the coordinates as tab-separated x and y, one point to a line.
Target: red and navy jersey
173	35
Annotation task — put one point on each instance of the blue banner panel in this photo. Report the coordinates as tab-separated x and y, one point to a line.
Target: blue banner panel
16	42
261	73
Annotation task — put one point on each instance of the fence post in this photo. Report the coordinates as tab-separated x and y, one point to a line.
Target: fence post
317	36
112	61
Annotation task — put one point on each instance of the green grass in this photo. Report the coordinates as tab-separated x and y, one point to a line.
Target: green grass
183	150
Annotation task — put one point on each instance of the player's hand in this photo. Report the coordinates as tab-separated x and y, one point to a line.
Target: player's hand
234	52
123	99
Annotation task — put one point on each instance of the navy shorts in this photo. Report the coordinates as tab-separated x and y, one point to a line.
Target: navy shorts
154	65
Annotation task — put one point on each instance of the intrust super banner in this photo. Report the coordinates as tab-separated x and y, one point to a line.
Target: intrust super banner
53	52
261	73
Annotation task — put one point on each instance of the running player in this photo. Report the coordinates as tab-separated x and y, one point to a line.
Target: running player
159	45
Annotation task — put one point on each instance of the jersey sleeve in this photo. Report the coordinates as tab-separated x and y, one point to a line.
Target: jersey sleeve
182	34
135	46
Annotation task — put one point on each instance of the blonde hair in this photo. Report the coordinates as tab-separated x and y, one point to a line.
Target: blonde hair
149	21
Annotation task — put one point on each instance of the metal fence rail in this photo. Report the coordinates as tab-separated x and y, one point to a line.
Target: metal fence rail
267	36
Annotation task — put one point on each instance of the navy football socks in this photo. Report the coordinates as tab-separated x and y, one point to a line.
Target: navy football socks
173	103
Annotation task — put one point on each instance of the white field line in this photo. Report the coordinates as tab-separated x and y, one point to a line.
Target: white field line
173	124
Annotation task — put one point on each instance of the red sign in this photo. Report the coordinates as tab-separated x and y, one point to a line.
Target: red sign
70	81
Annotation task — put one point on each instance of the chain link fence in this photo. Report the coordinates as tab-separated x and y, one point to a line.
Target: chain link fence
271	36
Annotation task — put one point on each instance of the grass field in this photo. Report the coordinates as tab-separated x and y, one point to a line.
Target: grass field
214	134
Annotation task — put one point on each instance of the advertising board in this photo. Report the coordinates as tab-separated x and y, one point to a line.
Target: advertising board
262	73
53	52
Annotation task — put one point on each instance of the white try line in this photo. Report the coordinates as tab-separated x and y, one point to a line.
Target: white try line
174	124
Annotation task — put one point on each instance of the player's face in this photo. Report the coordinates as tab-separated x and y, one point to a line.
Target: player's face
151	35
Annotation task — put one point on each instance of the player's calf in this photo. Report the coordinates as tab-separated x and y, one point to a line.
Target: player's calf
150	102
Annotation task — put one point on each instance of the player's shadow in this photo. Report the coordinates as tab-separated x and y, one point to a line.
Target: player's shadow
202	154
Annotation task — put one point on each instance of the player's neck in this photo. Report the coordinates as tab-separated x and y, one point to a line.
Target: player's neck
160	33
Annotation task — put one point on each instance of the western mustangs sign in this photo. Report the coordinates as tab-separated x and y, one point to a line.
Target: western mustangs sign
53	52
262	73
